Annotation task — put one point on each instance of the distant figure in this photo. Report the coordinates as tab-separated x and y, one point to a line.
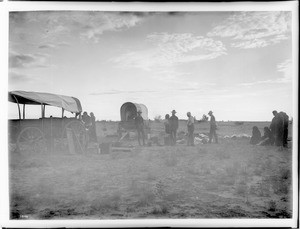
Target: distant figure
277	128
86	120
285	127
273	126
92	129
190	127
173	127
139	124
267	138
256	136
213	128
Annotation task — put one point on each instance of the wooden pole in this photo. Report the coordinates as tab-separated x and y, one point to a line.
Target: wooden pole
42	110
18	106
24	111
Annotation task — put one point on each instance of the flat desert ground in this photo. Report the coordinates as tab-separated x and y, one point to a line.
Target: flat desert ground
232	179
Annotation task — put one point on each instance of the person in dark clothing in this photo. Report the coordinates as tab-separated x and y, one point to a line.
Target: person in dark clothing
213	128
277	128
190	127
173	127
256	136
86	120
273	126
139	124
92	129
285	127
267	138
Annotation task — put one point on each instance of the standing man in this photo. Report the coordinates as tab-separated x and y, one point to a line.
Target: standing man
173	127
92	129
273	127
285	128
139	124
277	129
213	128
190	128
86	120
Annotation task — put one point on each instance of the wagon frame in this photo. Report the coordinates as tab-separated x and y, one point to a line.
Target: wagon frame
45	134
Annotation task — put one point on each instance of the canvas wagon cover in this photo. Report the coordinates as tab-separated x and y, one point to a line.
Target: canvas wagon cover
134	107
66	102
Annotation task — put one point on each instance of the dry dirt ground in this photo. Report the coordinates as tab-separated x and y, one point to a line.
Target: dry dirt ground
232	179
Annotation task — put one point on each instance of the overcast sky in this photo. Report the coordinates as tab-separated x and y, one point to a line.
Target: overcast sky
237	64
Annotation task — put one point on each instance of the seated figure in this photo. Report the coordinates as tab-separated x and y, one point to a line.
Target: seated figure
256	136
267	138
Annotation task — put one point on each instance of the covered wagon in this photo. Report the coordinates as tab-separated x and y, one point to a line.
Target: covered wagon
129	111
35	134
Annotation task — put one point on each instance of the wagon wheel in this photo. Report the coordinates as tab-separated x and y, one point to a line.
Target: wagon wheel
79	131
31	139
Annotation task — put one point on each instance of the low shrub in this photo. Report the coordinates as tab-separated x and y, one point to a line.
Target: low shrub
272	205
160	209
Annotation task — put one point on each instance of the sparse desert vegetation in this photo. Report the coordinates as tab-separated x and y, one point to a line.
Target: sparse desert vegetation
232	179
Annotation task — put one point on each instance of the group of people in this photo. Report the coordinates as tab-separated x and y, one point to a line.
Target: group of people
171	124
89	122
276	134
171	127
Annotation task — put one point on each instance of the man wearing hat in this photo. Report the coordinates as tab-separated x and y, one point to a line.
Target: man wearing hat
273	126
139	124
173	120
213	128
190	127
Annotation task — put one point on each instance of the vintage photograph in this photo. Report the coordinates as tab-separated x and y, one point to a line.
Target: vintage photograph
151	115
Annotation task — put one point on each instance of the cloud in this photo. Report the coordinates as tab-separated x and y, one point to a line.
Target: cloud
100	23
118	92
254	29
18	60
47	46
166	49
53	46
15	77
286	68
50	26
